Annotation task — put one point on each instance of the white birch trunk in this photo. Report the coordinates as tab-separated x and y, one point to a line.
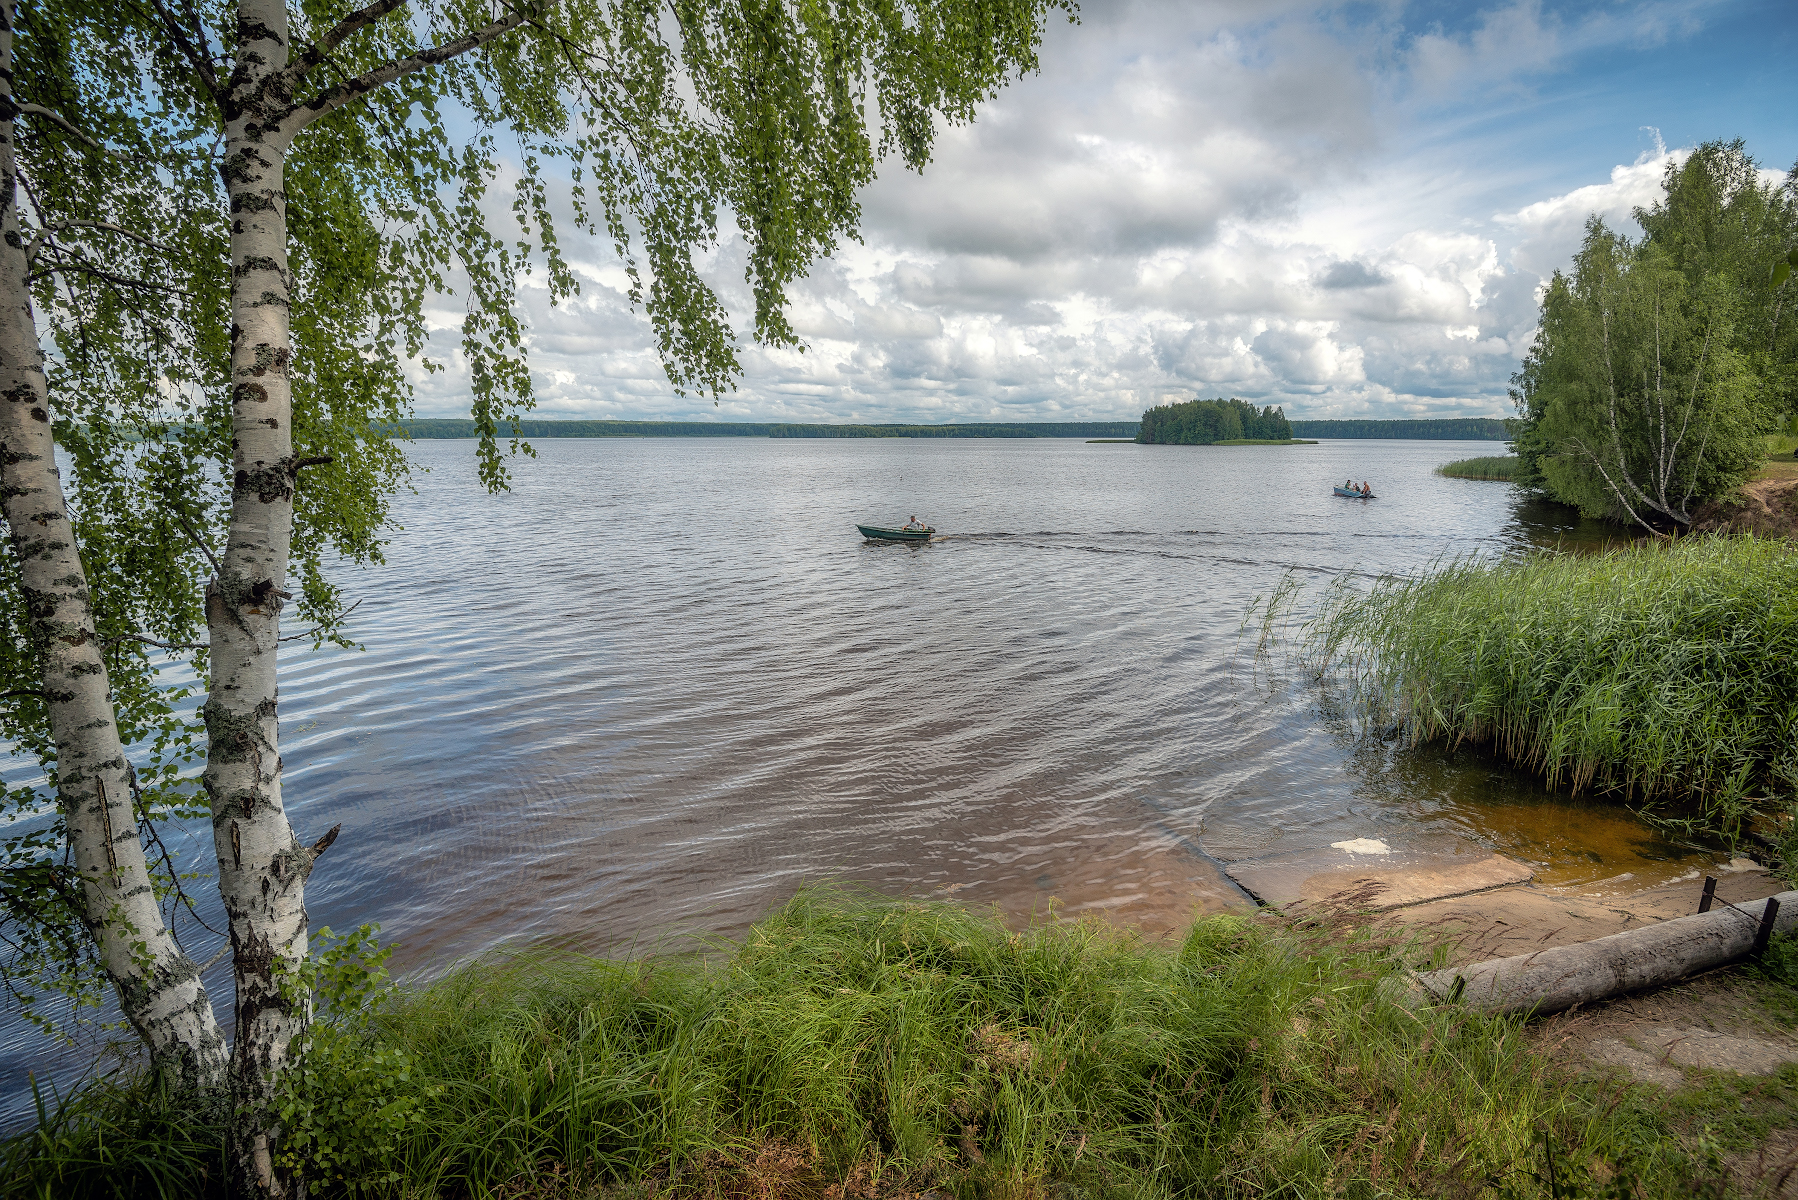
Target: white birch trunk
159	987
262	866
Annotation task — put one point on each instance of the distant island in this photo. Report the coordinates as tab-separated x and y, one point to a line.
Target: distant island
1214	422
1444	429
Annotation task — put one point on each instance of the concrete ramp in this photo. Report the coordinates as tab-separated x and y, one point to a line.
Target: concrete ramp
1362	877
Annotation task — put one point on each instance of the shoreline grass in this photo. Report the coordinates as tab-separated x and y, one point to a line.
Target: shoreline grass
854	1046
1500	468
1654	671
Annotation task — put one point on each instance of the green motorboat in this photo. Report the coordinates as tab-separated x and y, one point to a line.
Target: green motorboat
875	534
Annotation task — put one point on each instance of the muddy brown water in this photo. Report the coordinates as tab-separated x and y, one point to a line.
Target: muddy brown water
663	682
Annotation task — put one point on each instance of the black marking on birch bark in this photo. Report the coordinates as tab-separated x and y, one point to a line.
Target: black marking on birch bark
252	393
236	847
268	484
254	958
260	592
256	262
270	359
112	855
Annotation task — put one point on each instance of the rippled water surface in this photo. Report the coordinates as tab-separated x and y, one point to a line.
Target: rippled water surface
663	682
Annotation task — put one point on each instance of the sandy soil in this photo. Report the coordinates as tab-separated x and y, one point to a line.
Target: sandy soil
1767	507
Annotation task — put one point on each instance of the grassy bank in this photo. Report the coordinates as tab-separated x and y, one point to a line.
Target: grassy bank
853	1046
1499	468
1655	671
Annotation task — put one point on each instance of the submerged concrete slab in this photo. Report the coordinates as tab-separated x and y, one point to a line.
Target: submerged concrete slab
1352	875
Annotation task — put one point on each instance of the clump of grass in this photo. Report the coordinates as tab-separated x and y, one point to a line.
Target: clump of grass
1654	670
122	1135
857	1046
1500	468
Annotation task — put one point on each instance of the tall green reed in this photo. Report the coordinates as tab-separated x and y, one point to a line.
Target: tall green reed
1655	671
1503	467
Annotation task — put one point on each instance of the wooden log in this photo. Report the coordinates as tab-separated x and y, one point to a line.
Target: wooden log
1558	978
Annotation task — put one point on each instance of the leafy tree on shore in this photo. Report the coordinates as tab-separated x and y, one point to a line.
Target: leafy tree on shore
300	207
1659	362
1206	422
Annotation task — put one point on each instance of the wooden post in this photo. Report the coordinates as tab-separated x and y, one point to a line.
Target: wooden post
1710	894
1764	934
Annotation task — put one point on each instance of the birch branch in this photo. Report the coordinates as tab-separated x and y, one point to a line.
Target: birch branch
315	631
62	123
86	268
38	242
148	641
1615	491
334	98
196	56
181	519
351	25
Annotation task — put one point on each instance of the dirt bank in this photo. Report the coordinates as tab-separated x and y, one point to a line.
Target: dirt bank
1765	508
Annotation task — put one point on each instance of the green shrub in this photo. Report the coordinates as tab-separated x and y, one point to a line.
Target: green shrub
351	1096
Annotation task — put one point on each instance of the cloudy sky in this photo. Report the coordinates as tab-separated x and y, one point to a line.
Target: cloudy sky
1345	210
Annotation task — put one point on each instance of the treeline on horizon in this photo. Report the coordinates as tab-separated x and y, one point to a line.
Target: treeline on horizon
454	428
1429	429
1207	422
1426	429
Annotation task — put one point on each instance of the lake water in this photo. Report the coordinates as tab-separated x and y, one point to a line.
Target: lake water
663	682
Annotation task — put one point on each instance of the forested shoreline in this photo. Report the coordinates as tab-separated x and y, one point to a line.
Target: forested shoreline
1433	429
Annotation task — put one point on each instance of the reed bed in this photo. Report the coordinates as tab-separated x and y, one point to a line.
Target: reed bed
854	1046
1501	468
1654	671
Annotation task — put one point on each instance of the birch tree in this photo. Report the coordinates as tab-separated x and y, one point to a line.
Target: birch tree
660	122
57	683
1659	362
120	252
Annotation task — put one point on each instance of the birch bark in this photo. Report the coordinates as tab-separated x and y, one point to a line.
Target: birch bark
262	866
159	987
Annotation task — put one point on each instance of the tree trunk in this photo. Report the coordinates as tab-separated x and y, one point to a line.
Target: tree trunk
262	866
1556	979
159	987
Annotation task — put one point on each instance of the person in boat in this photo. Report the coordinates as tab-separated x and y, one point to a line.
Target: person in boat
1366	489
914	523
1348	485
